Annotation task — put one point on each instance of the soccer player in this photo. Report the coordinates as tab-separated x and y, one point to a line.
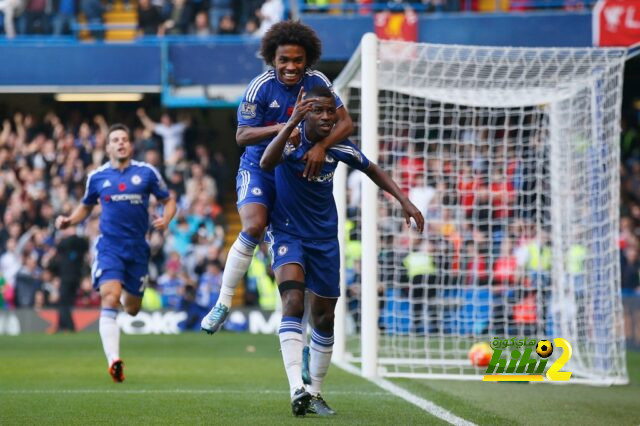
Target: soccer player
120	266
290	48
305	247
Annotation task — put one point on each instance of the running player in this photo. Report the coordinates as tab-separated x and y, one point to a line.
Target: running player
305	247
120	266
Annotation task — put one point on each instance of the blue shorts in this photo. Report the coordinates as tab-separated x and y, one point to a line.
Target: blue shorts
320	261
126	261
254	185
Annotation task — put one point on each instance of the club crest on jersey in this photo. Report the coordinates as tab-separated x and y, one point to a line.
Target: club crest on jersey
248	110
256	191
283	250
135	179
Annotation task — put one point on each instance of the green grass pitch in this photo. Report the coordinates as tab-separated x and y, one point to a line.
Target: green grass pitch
239	379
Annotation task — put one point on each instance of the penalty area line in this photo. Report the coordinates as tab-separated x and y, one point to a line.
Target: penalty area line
428	406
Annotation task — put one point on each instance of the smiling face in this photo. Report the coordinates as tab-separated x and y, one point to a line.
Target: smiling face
322	117
290	62
119	145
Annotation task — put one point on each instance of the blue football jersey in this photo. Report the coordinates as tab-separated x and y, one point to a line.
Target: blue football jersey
267	101
124	197
306	208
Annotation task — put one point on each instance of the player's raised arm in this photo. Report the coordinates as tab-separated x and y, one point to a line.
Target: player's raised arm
409	210
273	153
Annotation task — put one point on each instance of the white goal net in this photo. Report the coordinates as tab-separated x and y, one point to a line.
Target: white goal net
512	156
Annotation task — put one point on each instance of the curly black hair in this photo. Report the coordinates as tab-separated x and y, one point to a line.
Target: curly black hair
291	32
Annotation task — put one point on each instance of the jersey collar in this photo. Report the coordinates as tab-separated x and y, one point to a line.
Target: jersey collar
295	86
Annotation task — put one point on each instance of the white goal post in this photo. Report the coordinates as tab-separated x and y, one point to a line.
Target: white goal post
512	156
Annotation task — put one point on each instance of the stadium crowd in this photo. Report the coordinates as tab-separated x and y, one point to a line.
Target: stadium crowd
43	168
215	17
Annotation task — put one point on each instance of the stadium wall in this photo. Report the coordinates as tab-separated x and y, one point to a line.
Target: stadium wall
32	66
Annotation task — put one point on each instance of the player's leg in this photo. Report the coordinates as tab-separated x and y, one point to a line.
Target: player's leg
321	348
110	291
255	196
323	281
290	279
306	376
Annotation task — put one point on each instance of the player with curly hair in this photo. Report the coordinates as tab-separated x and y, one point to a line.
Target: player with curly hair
290	49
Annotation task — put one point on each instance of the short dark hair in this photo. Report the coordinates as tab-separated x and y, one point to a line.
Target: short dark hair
319	92
291	32
118	126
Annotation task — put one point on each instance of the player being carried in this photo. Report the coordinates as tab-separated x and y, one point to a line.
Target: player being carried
304	227
290	48
120	266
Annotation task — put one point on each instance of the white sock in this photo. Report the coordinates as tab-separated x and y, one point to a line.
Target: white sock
110	334
305	319
291	347
320	359
238	261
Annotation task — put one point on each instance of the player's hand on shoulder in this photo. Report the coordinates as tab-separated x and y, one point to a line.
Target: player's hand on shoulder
409	211
62	222
314	159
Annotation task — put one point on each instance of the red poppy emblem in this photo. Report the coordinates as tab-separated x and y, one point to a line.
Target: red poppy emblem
290	111
107	198
122	187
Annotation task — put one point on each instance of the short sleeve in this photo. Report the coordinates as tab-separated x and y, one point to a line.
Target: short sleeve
91	194
158	186
252	108
349	154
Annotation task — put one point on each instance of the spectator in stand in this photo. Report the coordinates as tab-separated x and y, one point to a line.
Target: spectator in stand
149	18
72	250
178	20
200	183
271	12
171	283
10	9
93	11
172	134
227	26
217	10
65	14
201	25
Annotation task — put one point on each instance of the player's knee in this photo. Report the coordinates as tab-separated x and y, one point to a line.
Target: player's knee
111	300
254	229
292	294
324	321
132	310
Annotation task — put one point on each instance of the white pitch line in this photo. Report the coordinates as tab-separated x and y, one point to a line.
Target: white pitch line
425	404
166	391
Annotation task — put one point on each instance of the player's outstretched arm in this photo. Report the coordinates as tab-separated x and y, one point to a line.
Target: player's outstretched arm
384	181
316	155
78	215
170	209
273	153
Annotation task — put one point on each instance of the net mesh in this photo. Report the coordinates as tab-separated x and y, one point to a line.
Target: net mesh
511	155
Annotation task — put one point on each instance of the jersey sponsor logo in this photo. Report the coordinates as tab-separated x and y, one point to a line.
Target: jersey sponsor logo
122	186
106	184
136	180
132	198
274	104
322	178
256	191
283	250
248	110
